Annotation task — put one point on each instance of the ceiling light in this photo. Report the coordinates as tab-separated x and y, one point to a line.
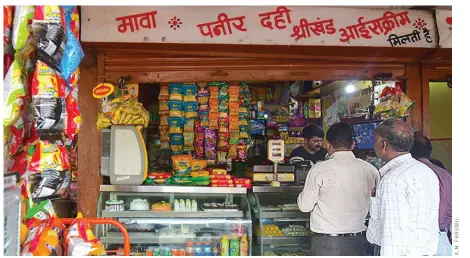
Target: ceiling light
350	88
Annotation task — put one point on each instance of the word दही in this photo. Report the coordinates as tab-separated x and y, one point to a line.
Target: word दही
144	20
221	26
278	19
382	25
318	28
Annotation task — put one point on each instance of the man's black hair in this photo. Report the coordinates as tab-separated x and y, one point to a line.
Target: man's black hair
398	134
340	135
422	147
311	131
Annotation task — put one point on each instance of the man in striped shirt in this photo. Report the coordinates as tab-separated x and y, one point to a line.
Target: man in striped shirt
405	206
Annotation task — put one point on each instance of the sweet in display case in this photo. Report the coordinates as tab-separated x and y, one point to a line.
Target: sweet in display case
280	228
177	220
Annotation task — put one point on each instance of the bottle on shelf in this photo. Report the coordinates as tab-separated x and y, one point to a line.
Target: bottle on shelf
224	246
207	249
198	249
189	248
216	248
234	246
244	246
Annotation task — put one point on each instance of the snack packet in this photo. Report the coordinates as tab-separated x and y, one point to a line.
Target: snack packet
214	92
24	15
233	92
190	109
49	156
182	164
189	125
223	92
50	34
197	165
164	93
234	107
189	92
176	123
164	109
176	108
176	92
214	105
53	184
73	55
74	119
176	143
203	95
213	121
81	241
234	124
13	94
188	141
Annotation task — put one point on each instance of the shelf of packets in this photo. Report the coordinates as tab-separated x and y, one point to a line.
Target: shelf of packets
193	172
206	120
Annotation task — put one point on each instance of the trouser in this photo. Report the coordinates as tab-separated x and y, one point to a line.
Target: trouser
444	248
324	245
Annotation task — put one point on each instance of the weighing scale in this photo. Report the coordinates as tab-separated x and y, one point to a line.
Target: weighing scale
276	155
128	155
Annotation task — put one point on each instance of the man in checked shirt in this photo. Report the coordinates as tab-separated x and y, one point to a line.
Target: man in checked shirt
404	208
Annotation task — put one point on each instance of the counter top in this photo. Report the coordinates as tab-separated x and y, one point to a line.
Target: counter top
172	189
282	189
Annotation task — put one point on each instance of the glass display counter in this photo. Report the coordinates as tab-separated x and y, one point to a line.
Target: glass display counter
168	219
280	228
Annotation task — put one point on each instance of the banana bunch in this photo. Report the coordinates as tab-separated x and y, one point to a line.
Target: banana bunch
123	111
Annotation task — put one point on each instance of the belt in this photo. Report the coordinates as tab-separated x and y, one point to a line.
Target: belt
340	235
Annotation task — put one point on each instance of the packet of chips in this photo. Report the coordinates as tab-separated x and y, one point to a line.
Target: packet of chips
234	107
49	156
203	95
197	165
188	141
223	141
164	93
50	34
74	120
213	121
176	108
189	125
214	105
190	109
72	19
176	125
164	109
13	94
241	149
204	107
223	92
204	116
182	164
164	121
176	91
8	13
81	241
243	112
73	55
176	143
24	15
234	138
223	106
189	92
233	92
234	123
214	92
232	151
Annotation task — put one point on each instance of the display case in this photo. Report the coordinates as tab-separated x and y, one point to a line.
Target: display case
168	219
280	228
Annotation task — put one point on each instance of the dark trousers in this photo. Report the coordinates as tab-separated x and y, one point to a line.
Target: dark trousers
323	245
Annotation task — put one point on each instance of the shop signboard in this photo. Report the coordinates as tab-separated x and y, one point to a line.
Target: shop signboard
259	25
444	26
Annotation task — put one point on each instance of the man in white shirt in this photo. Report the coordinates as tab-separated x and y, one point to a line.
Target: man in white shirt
405	206
337	193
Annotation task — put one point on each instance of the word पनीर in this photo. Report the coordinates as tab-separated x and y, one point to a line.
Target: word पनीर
144	20
318	28
221	26
279	20
382	25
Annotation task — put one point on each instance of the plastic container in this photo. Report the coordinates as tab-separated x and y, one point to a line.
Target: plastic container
207	249
234	246
156	251
224	246
243	246
216	248
189	248
198	249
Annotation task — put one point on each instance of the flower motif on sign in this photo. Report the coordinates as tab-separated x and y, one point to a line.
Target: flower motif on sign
175	23
420	24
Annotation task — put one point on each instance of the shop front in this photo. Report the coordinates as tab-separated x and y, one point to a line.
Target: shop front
189	114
